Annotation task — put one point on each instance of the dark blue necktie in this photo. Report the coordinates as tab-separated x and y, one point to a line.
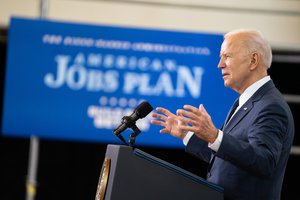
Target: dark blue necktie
233	108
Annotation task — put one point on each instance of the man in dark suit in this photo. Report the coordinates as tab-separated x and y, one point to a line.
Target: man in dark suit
248	155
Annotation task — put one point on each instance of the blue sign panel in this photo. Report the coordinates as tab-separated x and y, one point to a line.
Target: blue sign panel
74	81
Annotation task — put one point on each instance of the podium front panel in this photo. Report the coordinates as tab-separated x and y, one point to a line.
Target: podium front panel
136	175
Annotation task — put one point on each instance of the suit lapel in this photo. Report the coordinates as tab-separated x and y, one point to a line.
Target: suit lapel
247	107
239	115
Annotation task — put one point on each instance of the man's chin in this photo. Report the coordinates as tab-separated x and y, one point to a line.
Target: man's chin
226	84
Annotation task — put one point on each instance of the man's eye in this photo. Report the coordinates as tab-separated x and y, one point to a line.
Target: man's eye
225	56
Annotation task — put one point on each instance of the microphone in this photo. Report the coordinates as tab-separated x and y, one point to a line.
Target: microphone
141	111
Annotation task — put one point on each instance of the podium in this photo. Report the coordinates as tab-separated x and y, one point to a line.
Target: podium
129	173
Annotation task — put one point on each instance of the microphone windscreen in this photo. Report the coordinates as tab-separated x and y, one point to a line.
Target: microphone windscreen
143	109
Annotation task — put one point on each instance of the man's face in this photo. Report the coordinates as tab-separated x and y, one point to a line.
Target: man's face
235	63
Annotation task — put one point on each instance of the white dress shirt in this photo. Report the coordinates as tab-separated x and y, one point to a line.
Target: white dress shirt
242	99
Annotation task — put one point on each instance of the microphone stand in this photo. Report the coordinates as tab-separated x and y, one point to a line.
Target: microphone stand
122	139
133	135
136	131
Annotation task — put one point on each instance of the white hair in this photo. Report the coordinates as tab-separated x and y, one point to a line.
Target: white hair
255	42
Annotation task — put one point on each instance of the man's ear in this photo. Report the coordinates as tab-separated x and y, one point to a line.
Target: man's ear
255	58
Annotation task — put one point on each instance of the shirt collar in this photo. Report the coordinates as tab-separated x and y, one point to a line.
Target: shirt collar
252	89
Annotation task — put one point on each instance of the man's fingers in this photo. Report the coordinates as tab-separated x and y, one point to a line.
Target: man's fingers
186	128
164	130
164	111
191	108
159	116
187	114
202	109
156	122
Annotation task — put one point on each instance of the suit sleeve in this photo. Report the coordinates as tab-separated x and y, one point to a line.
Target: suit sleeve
199	148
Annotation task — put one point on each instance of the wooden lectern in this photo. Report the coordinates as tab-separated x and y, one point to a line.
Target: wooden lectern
130	174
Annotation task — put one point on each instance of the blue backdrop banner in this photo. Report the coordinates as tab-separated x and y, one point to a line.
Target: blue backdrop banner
74	81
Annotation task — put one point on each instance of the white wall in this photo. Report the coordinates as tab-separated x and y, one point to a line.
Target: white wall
279	20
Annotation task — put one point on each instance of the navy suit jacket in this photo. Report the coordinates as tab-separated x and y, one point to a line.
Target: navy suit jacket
252	158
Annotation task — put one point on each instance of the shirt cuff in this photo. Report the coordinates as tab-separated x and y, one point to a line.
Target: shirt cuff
187	137
216	144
